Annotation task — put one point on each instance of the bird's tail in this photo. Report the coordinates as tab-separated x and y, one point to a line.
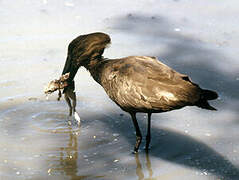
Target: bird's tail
205	96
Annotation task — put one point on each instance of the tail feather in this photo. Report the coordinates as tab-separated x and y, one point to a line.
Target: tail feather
205	96
205	105
209	95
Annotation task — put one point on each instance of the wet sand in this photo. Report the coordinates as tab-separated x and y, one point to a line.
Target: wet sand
39	141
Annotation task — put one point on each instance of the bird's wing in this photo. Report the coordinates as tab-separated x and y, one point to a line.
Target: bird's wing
145	83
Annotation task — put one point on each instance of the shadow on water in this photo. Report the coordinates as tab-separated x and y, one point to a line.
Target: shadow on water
178	148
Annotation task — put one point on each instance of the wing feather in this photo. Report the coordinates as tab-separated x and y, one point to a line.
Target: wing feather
143	83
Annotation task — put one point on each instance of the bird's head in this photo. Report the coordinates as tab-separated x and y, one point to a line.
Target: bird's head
88	47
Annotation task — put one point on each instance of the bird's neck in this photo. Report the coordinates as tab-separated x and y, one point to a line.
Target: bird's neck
94	68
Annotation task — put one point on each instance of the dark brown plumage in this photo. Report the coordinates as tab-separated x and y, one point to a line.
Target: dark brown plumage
135	83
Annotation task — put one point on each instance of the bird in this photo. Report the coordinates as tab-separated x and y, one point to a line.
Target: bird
135	83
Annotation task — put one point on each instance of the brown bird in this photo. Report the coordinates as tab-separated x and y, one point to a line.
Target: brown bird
135	83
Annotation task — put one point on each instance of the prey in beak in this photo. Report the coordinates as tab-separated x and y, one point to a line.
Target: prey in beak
70	96
57	84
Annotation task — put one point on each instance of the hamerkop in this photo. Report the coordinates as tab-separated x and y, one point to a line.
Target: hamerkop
134	83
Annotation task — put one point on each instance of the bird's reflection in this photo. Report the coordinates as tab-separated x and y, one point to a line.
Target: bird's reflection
139	169
69	155
67	161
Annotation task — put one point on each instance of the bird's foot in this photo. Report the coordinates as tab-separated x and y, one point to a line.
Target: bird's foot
77	117
135	151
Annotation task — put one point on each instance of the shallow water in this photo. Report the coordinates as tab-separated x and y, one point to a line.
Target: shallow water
39	141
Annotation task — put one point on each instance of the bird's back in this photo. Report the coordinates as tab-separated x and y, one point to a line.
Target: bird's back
143	84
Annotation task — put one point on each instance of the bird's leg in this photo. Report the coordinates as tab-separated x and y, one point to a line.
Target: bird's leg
72	96
148	137
68	102
138	133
